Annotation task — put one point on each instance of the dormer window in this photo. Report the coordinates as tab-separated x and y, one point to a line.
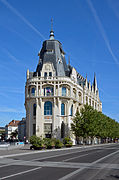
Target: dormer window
59	61
49	51
50	74
45	74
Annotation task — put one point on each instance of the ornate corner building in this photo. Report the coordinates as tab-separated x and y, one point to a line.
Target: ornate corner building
54	92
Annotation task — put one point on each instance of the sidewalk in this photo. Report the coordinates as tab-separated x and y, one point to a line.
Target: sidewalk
18	150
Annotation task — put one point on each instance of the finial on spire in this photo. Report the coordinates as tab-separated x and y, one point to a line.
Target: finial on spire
51	32
51	24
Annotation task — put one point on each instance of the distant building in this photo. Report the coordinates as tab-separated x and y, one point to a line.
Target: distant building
22	129
2	132
54	92
2	129
11	127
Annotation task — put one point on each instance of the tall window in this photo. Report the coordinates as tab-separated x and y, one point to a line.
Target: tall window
48	108
33	91
34	109
63	91
62	109
71	110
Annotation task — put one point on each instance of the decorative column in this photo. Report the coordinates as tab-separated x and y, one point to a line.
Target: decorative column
58	89
54	89
53	115
37	90
77	95
39	118
27	121
40	88
71	91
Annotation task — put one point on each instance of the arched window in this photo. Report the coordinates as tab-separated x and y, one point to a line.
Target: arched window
48	108
34	109
33	91
62	109
71	110
63	91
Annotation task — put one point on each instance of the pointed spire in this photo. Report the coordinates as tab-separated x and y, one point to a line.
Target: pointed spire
51	32
92	88
95	83
69	60
86	82
89	84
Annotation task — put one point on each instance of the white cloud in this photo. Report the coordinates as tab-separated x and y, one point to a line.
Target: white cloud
22	18
13	58
10	55
102	31
12	90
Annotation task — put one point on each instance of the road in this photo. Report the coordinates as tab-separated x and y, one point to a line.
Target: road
86	163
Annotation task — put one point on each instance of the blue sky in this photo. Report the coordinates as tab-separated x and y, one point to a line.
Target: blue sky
88	31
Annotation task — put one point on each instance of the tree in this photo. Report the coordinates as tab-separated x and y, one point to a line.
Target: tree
91	123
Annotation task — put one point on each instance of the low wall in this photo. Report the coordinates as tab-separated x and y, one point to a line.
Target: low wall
10	147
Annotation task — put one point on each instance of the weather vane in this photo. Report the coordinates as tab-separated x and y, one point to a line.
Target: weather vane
51	24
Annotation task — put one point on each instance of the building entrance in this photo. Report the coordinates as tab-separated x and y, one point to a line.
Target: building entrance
48	130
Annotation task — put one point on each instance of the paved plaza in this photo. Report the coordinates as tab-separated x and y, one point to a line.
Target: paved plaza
79	163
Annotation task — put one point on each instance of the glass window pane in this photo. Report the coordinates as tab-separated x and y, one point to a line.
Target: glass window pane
63	91
48	108
71	112
33	91
62	109
45	74
49	91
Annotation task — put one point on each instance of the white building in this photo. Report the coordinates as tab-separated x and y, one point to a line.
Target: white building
11	127
54	92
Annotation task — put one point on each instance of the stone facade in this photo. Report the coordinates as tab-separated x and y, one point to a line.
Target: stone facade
54	92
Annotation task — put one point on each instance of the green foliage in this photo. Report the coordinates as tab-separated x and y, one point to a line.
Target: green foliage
33	139
67	141
93	123
48	143
36	141
58	144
